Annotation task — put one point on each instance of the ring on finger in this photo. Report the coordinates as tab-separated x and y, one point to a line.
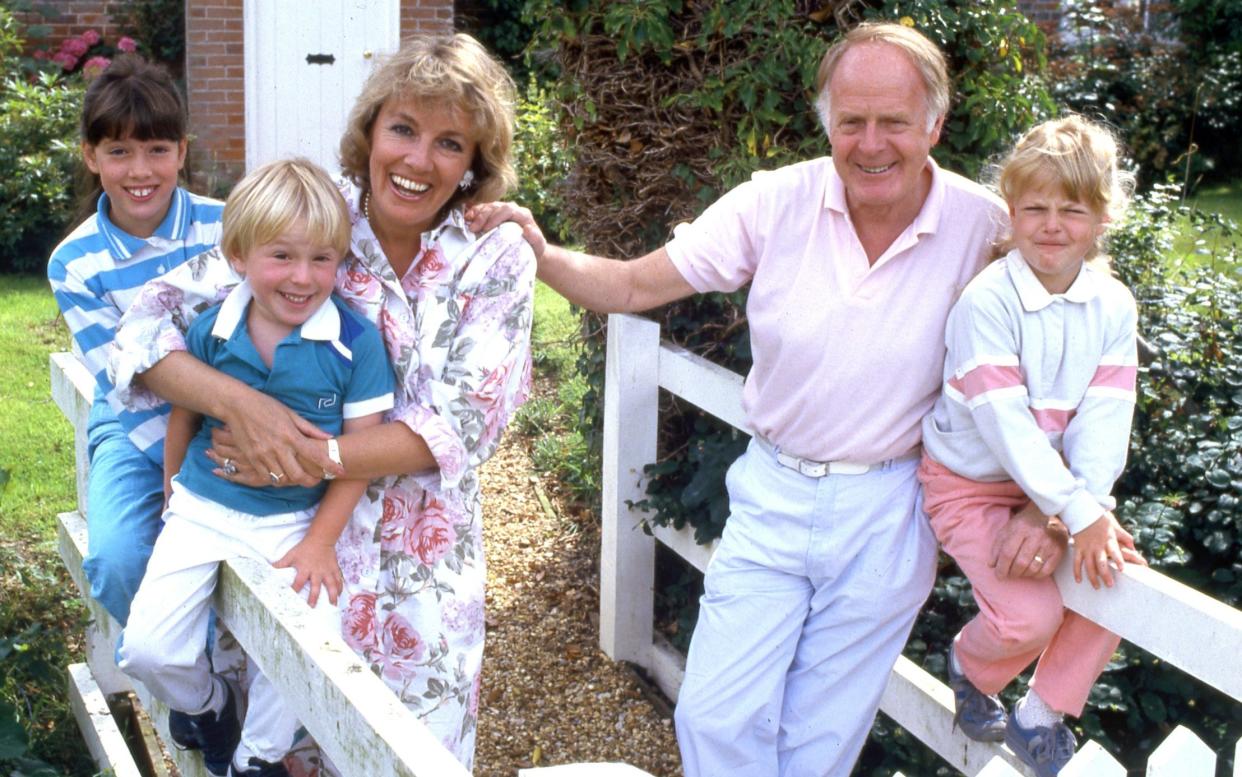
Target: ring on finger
275	478
229	467
1038	559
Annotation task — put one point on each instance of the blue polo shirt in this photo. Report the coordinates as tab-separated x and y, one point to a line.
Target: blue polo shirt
332	367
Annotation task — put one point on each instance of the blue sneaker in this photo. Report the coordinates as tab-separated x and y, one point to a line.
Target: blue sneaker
216	735
260	768
979	716
1046	749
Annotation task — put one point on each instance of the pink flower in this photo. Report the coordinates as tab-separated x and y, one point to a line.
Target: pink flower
432	536
431	267
91	37
396	520
75	47
358	623
40	54
66	60
403	646
127	44
95	65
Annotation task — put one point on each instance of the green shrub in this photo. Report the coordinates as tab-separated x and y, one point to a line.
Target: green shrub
542	160
38	151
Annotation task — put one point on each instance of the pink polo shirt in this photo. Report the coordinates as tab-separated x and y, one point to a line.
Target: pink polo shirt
848	356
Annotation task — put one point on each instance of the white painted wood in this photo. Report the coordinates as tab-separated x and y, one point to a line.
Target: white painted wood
668	667
293	107
353	716
998	767
1193	631
585	770
682	542
357	720
103	739
1091	760
923	705
707	385
1182	754
72	390
627	553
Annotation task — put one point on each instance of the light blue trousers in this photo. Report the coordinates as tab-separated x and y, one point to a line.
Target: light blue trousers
125	494
807	603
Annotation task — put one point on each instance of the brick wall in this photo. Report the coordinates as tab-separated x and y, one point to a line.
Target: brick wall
215	87
426	16
73	17
1045	13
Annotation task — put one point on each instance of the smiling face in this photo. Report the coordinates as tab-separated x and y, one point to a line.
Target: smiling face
139	177
1054	233
290	276
879	132
419	152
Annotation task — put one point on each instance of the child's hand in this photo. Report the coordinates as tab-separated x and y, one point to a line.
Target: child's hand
1101	542
315	564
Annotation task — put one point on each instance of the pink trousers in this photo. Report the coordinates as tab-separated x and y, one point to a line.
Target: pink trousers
1020	619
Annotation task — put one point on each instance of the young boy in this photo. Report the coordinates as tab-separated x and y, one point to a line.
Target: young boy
285	230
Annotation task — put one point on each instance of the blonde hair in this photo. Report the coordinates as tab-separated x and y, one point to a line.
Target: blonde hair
454	71
1079	157
268	201
926	57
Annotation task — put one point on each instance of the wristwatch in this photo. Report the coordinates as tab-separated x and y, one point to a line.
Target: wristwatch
334	453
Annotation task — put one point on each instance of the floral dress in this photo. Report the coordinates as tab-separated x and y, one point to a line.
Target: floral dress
457	329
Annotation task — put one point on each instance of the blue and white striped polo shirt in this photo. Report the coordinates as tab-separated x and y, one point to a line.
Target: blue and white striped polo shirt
97	271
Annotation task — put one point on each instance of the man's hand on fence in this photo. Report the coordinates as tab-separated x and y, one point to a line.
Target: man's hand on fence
1030	544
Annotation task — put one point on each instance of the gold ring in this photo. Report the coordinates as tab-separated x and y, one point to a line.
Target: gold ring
1039	559
274	478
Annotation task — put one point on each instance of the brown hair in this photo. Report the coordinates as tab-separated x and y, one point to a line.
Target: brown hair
451	70
131	98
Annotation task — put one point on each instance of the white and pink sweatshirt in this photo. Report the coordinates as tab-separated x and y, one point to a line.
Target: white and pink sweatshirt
1039	388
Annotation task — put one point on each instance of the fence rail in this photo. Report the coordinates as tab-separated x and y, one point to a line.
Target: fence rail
1193	632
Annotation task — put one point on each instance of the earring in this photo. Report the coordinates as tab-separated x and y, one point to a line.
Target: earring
466	180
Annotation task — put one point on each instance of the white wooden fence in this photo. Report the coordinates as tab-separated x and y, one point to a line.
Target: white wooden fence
1192	631
352	714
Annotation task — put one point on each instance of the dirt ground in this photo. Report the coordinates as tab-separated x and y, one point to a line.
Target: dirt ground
550	696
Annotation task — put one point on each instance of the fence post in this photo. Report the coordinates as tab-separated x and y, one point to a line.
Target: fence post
1182	754
1091	760
627	554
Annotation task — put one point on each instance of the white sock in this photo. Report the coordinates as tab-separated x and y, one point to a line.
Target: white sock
1032	711
957	665
219	695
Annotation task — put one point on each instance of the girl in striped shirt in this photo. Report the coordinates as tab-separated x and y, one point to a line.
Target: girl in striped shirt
1037	401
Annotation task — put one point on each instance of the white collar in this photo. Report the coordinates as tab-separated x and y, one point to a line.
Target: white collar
324	324
1032	293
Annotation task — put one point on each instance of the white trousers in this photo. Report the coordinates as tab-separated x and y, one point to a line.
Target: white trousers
808	601
162	646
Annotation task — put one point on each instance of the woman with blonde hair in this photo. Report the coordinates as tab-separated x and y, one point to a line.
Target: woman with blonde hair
432	127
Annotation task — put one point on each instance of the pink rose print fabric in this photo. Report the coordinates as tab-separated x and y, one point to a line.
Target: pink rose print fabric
457	330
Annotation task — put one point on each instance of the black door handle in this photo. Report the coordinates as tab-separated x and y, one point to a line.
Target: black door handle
320	59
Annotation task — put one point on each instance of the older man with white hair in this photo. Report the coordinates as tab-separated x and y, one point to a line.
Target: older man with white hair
854	262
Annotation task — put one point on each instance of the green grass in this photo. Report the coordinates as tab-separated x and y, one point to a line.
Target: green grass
1223	199
39	614
36	442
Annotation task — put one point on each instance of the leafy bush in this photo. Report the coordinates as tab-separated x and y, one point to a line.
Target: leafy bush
38	151
542	160
1176	100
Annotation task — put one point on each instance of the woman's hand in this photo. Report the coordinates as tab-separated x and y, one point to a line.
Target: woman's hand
1030	544
489	215
262	438
315	564
1097	545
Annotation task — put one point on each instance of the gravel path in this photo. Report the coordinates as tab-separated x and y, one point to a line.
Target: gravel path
550	696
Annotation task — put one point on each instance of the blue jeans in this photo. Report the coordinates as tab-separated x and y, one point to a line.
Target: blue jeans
125	495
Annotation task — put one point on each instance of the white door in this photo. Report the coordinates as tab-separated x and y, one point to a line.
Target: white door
305	63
